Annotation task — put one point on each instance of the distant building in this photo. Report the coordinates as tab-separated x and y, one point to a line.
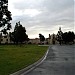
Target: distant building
50	40
5	39
34	41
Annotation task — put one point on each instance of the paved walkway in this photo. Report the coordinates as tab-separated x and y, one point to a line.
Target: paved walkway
60	61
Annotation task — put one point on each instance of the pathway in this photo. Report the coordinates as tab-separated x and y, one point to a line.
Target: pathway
60	61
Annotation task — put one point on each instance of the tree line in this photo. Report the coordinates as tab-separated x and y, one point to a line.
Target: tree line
66	37
61	37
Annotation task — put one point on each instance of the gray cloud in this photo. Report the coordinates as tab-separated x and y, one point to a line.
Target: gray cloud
54	13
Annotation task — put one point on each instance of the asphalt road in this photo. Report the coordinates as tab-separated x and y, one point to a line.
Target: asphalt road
60	61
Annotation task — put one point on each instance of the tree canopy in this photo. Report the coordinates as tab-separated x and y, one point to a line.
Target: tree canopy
68	37
5	16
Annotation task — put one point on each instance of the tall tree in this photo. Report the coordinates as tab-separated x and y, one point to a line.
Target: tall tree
42	38
19	35
53	39
5	16
59	36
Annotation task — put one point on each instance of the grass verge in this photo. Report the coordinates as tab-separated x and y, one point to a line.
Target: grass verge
14	58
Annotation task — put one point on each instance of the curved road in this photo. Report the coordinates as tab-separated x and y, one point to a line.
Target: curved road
60	61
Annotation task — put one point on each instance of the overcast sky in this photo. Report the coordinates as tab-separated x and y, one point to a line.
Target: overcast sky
43	16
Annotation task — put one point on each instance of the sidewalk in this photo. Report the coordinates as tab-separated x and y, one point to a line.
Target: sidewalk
60	61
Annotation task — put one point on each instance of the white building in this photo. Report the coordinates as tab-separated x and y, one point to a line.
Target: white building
34	41
5	39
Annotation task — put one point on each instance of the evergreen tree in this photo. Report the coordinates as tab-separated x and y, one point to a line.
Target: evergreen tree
19	35
59	36
53	39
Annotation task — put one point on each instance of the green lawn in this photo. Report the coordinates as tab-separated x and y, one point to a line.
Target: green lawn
14	58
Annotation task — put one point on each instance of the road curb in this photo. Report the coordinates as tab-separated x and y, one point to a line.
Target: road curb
31	67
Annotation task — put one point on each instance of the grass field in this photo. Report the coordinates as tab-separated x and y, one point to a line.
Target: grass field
14	58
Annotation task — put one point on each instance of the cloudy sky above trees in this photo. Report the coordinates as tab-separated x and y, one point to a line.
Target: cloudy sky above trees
43	16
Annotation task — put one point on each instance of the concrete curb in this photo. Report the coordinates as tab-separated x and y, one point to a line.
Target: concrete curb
31	67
